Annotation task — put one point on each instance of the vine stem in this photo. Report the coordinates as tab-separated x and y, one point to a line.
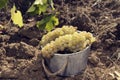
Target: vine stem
8	22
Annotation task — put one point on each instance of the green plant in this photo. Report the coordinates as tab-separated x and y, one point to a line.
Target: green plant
16	16
73	42
38	7
50	20
48	23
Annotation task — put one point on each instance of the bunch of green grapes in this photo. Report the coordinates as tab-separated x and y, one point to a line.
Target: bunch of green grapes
51	36
89	36
73	42
58	45
81	40
77	42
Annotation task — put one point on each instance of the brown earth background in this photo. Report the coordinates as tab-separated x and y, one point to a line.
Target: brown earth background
20	50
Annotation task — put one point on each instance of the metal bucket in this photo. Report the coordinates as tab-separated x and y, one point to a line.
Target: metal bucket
67	64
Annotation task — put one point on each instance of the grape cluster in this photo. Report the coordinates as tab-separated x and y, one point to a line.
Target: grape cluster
58	45
51	36
73	42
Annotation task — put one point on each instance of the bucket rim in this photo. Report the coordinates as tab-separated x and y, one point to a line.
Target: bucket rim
58	54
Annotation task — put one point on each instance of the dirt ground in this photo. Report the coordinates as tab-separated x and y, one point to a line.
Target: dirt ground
20	57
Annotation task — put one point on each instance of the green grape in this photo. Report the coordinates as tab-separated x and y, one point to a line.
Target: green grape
58	45
88	36
77	42
51	36
73	42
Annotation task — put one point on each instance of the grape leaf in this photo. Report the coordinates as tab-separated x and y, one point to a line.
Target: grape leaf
42	24
40	6
55	20
48	23
16	17
3	3
38	9
31	9
43	8
41	2
49	26
51	4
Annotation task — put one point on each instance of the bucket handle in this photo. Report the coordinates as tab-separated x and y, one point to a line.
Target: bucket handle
55	73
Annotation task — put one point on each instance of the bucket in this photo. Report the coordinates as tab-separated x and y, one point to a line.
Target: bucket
66	64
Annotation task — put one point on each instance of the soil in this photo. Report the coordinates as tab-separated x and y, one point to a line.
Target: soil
20	57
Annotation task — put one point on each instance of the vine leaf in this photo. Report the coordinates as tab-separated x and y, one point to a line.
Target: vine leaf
49	26
41	2
38	7
16	17
31	9
51	4
48	23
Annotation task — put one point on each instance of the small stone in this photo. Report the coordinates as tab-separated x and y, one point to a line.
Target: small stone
34	42
94	59
4	38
